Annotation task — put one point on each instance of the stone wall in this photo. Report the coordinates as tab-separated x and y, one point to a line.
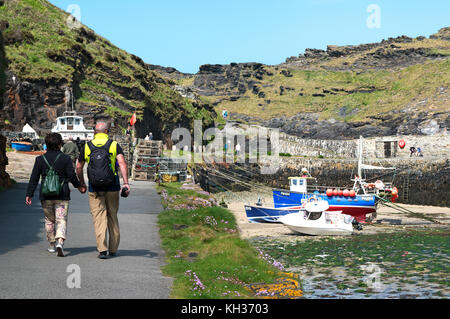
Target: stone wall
436	146
309	147
5	181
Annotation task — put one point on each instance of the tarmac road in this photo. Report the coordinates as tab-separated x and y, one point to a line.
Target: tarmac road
27	270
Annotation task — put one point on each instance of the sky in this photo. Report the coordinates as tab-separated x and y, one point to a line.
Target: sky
188	33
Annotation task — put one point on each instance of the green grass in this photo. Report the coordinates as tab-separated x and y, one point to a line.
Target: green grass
205	255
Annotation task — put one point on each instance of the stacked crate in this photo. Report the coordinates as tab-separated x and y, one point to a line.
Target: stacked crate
145	163
126	144
172	169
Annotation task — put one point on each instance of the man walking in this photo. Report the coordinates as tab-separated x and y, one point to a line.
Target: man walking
104	157
71	149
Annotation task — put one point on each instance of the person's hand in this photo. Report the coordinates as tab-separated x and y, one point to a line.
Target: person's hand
28	200
82	189
126	189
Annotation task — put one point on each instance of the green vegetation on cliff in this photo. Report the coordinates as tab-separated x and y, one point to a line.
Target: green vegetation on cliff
42	46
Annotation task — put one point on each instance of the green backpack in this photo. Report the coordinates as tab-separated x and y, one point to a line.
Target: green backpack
51	186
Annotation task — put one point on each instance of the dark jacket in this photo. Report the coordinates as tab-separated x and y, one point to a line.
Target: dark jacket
63	168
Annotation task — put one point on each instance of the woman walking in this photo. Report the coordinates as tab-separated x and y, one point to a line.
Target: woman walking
55	202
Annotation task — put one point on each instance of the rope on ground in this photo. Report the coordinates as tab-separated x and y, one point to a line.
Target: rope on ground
404	210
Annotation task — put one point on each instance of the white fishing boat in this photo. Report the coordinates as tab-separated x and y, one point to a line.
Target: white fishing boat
316	221
70	125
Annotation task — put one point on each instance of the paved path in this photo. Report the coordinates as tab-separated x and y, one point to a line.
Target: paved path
27	270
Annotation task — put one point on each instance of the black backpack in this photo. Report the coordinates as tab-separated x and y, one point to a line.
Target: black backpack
99	170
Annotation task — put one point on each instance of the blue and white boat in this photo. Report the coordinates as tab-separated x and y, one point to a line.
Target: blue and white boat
259	214
359	201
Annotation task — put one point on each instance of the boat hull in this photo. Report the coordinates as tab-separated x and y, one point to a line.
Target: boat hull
24	147
297	224
258	214
358	206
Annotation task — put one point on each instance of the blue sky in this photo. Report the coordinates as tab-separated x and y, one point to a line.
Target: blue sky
188	33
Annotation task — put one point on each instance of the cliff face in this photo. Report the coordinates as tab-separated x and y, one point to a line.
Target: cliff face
51	56
397	86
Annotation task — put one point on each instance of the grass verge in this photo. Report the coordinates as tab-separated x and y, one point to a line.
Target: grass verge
207	258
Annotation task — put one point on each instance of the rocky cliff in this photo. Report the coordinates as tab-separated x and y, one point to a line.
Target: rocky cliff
397	86
50	55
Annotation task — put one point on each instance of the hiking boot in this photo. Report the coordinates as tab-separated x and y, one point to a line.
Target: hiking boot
60	250
102	255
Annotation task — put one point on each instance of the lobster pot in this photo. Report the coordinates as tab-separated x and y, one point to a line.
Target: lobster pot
143	176
155	152
145	168
149	144
172	165
169	177
182	177
146	160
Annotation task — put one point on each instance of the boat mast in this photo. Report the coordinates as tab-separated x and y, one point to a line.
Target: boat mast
360	150
71	97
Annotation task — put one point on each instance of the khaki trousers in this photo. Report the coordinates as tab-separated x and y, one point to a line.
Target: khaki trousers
104	207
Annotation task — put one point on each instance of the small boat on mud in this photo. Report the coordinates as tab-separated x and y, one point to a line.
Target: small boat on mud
315	220
359	201
259	214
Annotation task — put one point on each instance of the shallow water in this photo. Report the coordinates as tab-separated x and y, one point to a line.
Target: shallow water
411	264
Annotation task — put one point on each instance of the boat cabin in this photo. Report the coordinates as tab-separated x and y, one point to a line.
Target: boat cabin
71	125
298	184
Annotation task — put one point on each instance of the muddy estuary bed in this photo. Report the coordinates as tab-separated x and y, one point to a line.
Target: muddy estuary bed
398	256
409	264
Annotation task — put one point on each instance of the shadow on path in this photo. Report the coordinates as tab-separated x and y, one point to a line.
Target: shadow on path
71	252
20	225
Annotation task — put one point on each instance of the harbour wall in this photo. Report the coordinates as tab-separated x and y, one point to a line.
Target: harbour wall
379	147
420	180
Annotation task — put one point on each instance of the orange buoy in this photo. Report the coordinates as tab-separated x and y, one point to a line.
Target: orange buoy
346	193
329	192
335	192
352	193
340	192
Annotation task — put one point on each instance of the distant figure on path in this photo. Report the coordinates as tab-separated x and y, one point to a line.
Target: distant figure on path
419	152
55	207
238	148
104	157
71	149
412	149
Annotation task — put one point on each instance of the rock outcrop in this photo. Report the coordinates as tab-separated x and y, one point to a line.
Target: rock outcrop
5	181
351	84
387	54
